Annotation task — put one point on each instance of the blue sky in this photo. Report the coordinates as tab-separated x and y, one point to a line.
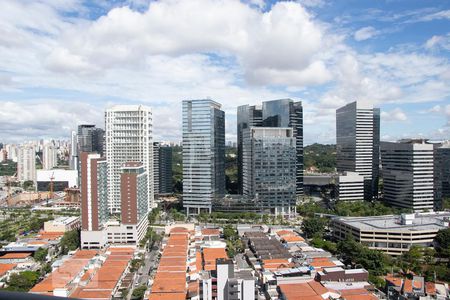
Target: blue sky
62	62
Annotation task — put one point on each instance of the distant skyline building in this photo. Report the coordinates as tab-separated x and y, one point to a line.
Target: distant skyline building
203	154
358	143
282	113
408	174
128	138
26	163
162	166
49	156
269	168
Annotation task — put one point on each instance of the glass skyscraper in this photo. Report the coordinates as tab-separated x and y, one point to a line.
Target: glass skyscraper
358	143
282	113
203	154
269	168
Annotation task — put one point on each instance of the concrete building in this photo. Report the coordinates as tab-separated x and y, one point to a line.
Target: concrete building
233	285
442	173
349	187
97	229
203	154
49	157
393	235
62	224
128	138
408	174
358	143
269	168
13	151
133	193
26	164
62	179
94	200
282	113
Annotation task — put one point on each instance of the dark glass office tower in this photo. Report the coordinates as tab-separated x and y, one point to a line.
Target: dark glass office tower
247	116
283	113
358	143
203	154
90	139
162	168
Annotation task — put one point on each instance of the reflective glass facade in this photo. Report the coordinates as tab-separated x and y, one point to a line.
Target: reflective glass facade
282	113
203	154
269	168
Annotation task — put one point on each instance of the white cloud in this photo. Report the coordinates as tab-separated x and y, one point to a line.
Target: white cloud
443	14
231	51
365	33
438	41
394	115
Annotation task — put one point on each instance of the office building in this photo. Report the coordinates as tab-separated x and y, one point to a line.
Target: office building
358	143
393	235
269	168
49	157
128	138
203	154
90	139
442	173
26	164
408	174
281	113
247	116
162	166
349	187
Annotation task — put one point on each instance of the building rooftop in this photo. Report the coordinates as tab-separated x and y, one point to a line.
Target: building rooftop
421	222
17	255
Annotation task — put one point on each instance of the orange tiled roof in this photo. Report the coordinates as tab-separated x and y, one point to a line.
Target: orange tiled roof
361	297
301	291
167	296
407	287
210	231
394	280
292	238
6	267
321	262
430	288
16	255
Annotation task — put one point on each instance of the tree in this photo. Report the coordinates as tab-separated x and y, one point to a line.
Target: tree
313	227
138	293
23	281
41	254
229	233
442	241
70	241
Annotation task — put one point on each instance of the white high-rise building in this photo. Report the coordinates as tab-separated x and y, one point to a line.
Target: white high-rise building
408	174
128	139
73	163
26	164
49	157
358	143
12	151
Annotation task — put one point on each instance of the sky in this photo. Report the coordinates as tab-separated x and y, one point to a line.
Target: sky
63	62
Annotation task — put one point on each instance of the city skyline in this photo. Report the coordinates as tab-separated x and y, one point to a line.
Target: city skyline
392	54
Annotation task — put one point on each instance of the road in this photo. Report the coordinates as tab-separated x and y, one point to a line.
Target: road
150	263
